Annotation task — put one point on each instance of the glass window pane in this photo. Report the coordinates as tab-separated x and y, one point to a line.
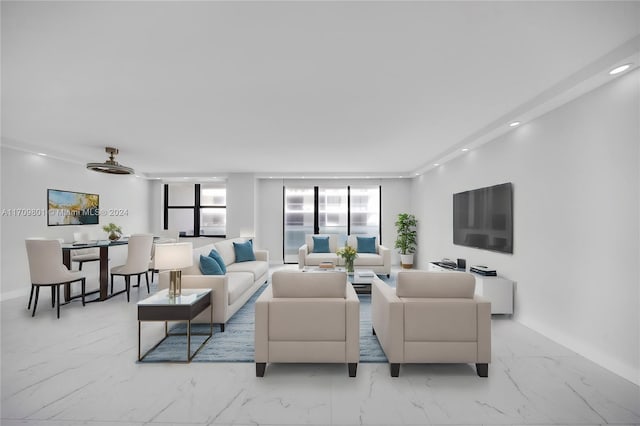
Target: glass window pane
332	212
213	194
365	210
298	220
181	220
213	221
182	194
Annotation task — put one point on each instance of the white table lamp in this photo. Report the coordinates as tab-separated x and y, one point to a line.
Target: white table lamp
173	257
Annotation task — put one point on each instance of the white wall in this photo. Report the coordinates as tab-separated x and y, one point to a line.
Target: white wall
396	198
240	205
576	229
25	180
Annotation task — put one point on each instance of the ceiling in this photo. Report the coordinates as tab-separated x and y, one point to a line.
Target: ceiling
292	88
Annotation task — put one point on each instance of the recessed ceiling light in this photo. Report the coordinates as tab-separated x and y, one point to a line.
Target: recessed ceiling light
514	124
465	149
621	68
42	154
436	164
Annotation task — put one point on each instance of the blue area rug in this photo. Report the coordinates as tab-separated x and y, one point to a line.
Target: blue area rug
236	344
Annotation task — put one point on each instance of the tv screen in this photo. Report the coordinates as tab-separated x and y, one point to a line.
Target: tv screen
483	218
72	208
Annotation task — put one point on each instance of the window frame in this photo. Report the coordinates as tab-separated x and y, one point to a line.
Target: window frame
196	211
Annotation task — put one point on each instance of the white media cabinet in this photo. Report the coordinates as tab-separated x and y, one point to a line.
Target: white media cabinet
498	290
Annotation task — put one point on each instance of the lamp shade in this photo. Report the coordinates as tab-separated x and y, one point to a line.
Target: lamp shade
173	256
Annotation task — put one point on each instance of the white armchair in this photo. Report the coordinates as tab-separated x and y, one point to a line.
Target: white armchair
432	317
307	317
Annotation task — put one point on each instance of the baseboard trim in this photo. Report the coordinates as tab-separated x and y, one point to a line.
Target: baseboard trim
592	354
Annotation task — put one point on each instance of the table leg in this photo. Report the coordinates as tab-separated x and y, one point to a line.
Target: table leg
104	272
139	340
66	259
189	340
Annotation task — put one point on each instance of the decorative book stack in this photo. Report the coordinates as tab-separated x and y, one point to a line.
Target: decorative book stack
326	265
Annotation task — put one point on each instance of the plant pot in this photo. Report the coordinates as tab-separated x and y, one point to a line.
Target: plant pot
114	237
406	260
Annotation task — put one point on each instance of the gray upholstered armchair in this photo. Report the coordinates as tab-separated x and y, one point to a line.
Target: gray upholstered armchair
432	317
308	317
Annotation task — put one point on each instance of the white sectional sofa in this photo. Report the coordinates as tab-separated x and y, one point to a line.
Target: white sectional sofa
379	262
231	290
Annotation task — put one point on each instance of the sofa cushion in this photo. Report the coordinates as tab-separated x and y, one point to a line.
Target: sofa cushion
216	256
321	245
309	284
257	268
435	284
239	283
226	250
368	259
209	266
366	245
244	251
333	242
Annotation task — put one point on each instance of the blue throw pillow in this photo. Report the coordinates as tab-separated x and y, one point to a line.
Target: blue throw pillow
321	245
216	256
366	244
244	251
209	266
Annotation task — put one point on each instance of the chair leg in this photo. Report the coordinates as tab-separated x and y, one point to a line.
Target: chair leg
111	284
153	271
483	370
53	297
222	328
260	367
353	367
35	302
58	297
83	285
80	266
30	297
146	276
373	330
127	282
395	369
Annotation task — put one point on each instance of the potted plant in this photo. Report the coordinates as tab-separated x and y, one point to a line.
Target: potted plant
349	254
406	239
114	231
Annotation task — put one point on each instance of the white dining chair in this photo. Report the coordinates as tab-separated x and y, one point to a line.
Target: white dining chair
46	269
139	249
84	255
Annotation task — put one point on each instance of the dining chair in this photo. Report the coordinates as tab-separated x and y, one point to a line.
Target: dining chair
164	236
84	255
139	249
46	269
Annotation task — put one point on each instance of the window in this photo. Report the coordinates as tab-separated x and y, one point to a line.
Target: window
341	211
196	210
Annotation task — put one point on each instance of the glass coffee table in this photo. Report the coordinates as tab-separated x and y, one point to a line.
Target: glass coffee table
161	307
361	279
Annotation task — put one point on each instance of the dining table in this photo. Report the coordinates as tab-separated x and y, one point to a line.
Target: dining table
104	246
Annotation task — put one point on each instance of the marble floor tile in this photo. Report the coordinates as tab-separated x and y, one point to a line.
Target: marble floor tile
82	370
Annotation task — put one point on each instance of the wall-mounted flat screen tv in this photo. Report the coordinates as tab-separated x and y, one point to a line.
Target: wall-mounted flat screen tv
72	208
483	218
